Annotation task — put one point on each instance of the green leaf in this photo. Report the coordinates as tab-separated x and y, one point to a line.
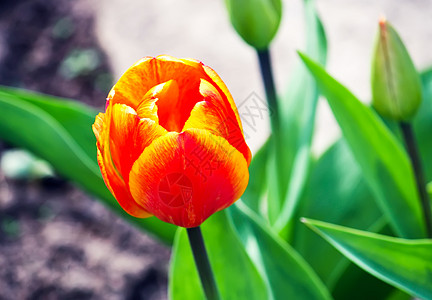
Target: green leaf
337	193
75	117
28	126
235	274
54	132
422	124
286	273
383	160
365	285
405	264
399	295
297	111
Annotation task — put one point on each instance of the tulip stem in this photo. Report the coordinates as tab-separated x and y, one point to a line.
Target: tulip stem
411	145
269	86
270	90
202	263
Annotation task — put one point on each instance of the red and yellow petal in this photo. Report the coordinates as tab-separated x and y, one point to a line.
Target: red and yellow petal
132	85
223	90
211	76
129	136
213	116
99	129
121	138
149	72
183	178
159	93
119	189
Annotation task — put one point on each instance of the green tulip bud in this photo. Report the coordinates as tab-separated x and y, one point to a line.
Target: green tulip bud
396	86
256	21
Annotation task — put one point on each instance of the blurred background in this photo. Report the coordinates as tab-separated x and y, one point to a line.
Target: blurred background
56	242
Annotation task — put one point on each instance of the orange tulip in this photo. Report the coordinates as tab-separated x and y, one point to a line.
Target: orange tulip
170	143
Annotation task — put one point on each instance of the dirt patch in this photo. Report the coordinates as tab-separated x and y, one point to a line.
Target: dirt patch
50	47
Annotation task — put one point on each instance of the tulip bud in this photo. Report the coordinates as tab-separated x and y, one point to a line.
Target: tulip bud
396	86
256	21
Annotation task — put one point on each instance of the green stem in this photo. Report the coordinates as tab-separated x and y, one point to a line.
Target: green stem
202	263
270	90
411	145
269	86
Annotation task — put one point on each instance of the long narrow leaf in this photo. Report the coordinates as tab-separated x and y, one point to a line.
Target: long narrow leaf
338	194
405	264
74	117
423	124
286	273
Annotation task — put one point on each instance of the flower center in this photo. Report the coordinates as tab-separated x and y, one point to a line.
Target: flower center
170	104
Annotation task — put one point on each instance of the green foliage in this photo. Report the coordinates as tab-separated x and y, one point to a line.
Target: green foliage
59	131
297	114
235	274
249	262
293	278
382	158
338	194
406	264
422	124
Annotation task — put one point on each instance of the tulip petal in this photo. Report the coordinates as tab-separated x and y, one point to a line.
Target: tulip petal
211	115
98	128
213	78
129	136
131	87
121	138
183	178
223	90
149	72
119	190
162	104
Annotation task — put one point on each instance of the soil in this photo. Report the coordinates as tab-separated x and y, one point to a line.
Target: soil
56	242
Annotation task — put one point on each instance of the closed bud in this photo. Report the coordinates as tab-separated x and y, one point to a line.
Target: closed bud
256	21
396	86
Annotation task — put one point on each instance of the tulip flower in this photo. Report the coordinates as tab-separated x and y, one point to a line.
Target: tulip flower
170	143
